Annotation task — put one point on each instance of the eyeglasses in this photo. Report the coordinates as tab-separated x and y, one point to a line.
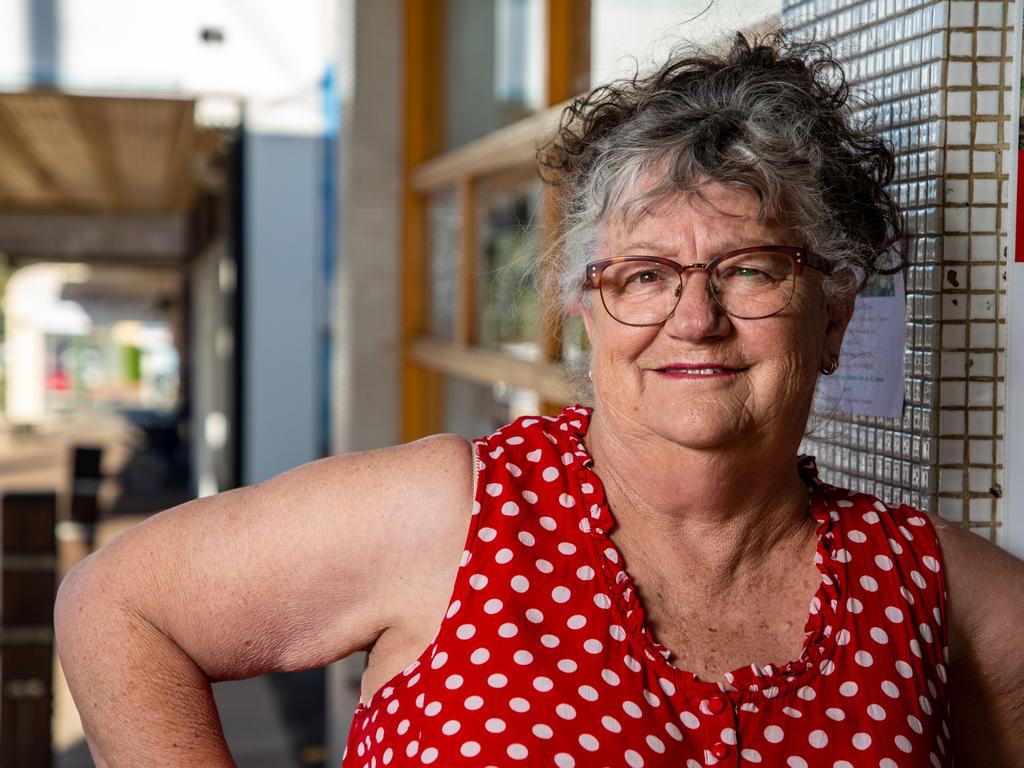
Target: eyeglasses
748	283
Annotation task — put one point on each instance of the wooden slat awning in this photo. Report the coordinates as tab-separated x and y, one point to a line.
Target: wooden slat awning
100	178
63	153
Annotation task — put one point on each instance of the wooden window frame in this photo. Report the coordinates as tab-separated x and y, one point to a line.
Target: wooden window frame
426	360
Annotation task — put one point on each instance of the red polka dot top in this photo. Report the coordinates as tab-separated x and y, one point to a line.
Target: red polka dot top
543	657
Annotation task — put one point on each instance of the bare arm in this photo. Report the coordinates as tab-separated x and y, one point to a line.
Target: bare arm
986	637
289	574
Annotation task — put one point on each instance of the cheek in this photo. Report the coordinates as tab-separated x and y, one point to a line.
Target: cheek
812	335
807	356
794	345
616	345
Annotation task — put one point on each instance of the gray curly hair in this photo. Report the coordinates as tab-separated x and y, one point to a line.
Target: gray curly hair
773	118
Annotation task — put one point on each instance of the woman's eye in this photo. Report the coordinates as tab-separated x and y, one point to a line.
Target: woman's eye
646	277
744	273
748	272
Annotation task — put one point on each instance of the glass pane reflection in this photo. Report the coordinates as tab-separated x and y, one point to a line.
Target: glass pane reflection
443	240
508	304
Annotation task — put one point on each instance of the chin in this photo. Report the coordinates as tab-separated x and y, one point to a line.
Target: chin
700	428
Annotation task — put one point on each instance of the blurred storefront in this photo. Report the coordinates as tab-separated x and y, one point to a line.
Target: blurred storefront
166	228
108	206
167	247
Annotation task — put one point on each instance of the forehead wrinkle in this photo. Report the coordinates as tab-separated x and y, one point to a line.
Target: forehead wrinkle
698	203
691	225
653	191
685	239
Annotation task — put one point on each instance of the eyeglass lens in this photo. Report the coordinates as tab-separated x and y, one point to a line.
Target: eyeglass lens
749	286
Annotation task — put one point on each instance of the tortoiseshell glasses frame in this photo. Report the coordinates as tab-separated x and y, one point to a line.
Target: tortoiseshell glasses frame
749	283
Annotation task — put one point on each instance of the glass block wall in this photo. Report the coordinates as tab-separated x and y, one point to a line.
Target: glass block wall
937	75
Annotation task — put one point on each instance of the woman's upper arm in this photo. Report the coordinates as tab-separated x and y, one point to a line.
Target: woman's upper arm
297	571
985	585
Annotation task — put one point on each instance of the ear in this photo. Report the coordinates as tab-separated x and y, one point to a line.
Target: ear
840	312
584	309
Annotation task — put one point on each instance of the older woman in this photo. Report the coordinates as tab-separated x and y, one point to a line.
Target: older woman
658	581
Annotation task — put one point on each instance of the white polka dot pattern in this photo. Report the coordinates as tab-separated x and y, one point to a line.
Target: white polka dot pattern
543	657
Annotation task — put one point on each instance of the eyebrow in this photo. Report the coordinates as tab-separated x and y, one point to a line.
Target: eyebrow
642	244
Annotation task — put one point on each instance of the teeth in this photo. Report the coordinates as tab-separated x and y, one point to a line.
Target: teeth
696	371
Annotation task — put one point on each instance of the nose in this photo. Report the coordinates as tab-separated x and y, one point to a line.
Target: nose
697	315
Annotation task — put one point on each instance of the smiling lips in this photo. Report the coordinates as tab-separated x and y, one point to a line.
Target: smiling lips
694	370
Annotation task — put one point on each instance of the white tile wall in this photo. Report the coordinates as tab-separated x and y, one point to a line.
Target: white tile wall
990	14
961	14
986	132
983	161
961	44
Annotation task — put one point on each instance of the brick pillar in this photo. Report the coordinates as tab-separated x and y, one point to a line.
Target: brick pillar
27	591
76	528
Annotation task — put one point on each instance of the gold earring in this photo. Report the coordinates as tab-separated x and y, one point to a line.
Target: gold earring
831	366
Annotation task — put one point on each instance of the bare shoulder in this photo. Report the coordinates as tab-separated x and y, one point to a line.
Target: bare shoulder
985	586
412	501
439	463
294	572
983	580
422	526
403	490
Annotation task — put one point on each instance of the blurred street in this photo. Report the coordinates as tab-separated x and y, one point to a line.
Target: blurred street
275	720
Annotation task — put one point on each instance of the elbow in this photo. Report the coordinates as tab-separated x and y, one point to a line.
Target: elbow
89	597
101	602
69	605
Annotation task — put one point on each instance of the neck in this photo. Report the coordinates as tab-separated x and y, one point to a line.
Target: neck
718	513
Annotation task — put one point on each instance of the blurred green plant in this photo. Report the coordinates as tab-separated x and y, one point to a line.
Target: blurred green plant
511	313
132	358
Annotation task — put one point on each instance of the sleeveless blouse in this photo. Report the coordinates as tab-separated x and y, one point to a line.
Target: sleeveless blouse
543	657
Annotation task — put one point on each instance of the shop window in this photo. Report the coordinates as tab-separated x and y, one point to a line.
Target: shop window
443	256
484	79
508	305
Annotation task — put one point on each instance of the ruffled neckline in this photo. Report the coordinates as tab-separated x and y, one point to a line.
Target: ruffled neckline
753	681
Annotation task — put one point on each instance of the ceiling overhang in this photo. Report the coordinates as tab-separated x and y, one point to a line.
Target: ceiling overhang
95	237
99	177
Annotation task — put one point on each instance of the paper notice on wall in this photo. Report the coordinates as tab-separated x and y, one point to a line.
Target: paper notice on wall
869	381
